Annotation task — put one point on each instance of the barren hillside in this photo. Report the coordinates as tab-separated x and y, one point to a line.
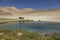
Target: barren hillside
29	13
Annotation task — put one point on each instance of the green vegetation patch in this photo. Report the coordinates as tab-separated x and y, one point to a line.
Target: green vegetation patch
5	20
26	35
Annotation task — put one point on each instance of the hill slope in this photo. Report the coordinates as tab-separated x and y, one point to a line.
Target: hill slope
29	13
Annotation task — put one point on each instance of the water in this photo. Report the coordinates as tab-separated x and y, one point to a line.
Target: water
32	26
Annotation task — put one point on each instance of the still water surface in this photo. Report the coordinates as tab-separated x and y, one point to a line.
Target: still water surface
32	26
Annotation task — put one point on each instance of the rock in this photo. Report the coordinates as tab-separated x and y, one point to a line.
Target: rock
1	33
19	34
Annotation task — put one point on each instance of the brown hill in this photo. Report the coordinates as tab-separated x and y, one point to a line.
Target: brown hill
14	11
51	14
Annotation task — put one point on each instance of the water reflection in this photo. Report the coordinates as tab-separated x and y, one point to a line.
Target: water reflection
34	26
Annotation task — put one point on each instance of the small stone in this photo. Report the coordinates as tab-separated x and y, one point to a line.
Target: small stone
1	33
19	34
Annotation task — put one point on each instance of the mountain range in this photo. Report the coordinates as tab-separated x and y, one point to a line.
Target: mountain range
47	14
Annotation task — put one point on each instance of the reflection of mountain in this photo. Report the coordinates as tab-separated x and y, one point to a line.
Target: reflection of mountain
29	13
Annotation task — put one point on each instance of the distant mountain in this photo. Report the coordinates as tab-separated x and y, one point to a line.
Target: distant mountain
10	10
26	10
51	12
4	13
14	11
44	15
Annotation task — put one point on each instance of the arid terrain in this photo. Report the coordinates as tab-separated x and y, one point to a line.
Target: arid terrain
30	14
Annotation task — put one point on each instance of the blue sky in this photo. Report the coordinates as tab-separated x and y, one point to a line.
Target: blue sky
35	4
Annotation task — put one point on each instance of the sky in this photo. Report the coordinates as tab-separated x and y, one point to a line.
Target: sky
35	4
